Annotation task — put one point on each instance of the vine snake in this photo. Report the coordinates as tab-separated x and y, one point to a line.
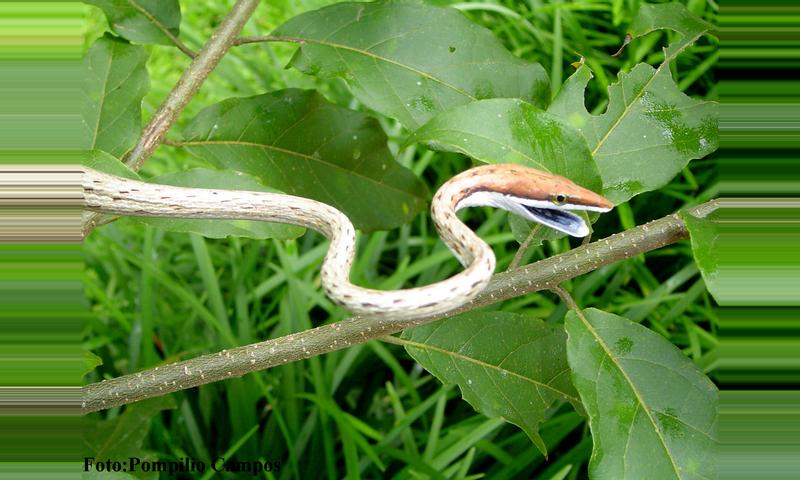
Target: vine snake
533	194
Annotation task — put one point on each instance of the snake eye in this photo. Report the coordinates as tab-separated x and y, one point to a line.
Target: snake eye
559	198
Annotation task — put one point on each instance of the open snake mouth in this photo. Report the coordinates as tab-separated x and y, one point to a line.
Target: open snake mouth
559	219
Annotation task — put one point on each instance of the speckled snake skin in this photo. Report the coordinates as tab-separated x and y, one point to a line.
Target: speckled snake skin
536	195
110	194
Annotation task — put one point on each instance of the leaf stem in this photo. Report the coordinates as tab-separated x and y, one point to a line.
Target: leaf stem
544	274
265	38
177	41
523	248
193	77
566	298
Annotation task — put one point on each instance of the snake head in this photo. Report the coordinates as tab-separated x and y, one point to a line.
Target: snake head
532	194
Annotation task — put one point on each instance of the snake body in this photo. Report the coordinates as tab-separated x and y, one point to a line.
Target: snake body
504	186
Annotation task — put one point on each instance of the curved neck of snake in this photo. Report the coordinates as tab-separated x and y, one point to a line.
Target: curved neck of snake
459	238
115	195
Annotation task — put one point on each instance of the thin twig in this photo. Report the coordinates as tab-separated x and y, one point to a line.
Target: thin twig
193	77
524	247
588	238
544	274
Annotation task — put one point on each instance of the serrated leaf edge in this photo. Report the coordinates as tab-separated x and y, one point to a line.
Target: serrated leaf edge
640	401
629	105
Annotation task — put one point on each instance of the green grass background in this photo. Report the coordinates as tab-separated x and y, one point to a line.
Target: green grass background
369	411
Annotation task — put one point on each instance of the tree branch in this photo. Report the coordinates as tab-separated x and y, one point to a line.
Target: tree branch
545	274
193	77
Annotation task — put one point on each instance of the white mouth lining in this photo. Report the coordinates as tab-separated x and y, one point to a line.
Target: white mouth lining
517	205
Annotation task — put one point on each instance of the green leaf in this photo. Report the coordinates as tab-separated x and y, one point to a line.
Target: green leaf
652	412
704	236
650	130
201	178
90	362
115	82
103	162
143	21
225	180
408	60
297	142
506	365
514	131
672	16
122	437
